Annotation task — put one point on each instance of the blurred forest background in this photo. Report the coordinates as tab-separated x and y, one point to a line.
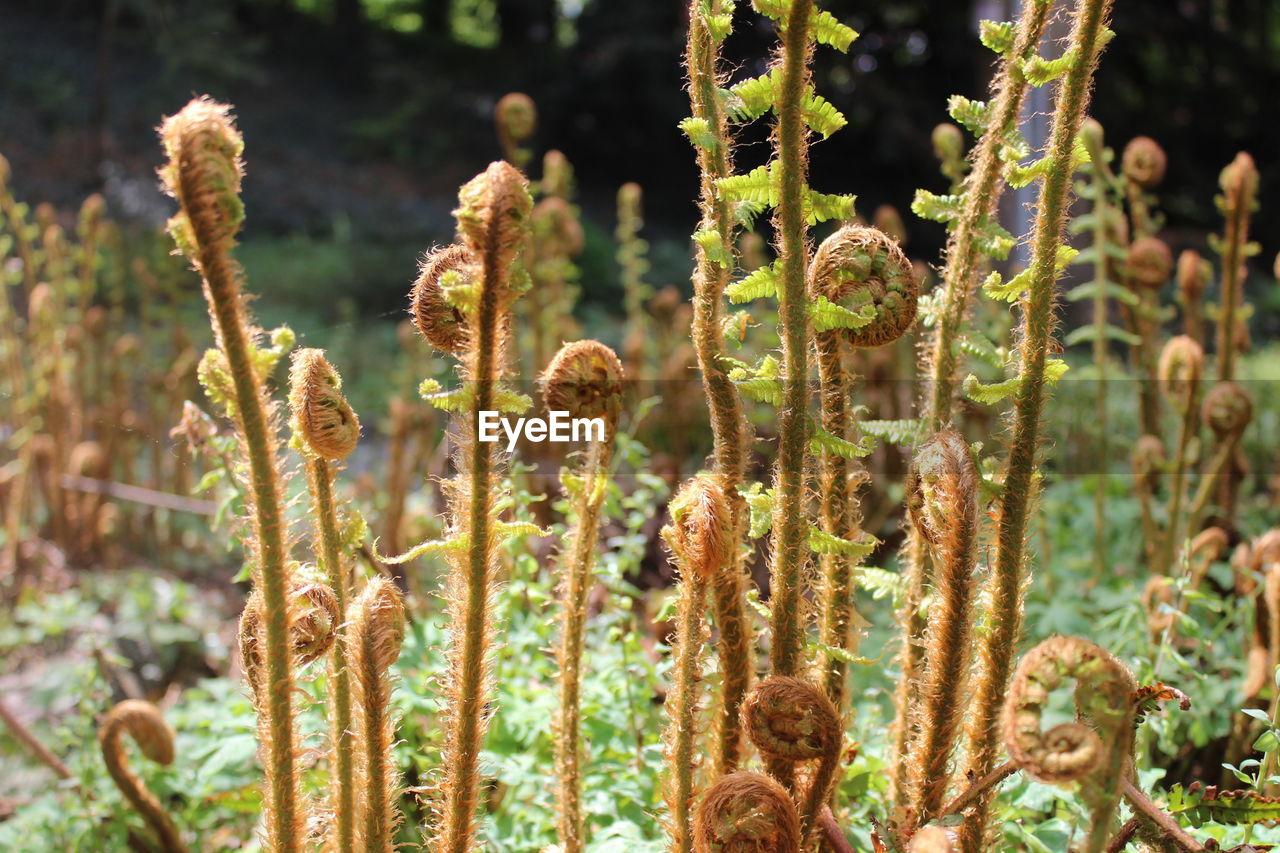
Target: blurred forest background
364	116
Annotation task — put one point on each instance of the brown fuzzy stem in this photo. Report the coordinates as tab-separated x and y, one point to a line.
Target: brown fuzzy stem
728	424
1036	325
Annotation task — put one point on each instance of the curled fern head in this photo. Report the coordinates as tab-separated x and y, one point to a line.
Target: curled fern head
1193	276
948	142
790	719
1148	461
1093	136
516	116
1180	370
585	380
314	619
41	306
1149	263
203	173
88	459
1144	162
493	213
1104	702
1228	408
557	174
941	485
1239	180
555	229
144	724
933	839
857	267
746	813
701	530
443	325
379	621
322	418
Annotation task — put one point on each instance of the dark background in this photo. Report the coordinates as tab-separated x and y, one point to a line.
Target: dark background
363	116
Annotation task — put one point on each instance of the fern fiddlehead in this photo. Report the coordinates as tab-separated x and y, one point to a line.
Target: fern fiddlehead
374	636
473	292
791	721
747	813
1099	752
700	537
203	173
584	379
1180	371
942	498
142	721
326	428
864	271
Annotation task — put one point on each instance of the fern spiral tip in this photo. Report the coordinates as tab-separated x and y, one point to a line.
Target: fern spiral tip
857	267
1144	162
493	213
1149	263
1228	408
701	531
322	418
441	323
585	379
746	812
203	173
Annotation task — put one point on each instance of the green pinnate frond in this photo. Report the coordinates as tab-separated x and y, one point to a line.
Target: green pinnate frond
881	583
735	325
1113	291
759	502
712	244
997	35
453	545
1089	334
903	433
699	133
993	240
504	531
1011	290
1198	805
826	315
446	400
718	18
820	115
822	542
978	345
944	209
752	98
773	9
821	207
1039	70
989	393
510	402
760	283
1018	175
755	187
970	114
824	442
761	383
829	31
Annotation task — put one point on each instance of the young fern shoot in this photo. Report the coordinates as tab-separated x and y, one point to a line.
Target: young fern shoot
143	722
462	304
325	428
584	379
374	636
1035	335
708	130
700	536
203	173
